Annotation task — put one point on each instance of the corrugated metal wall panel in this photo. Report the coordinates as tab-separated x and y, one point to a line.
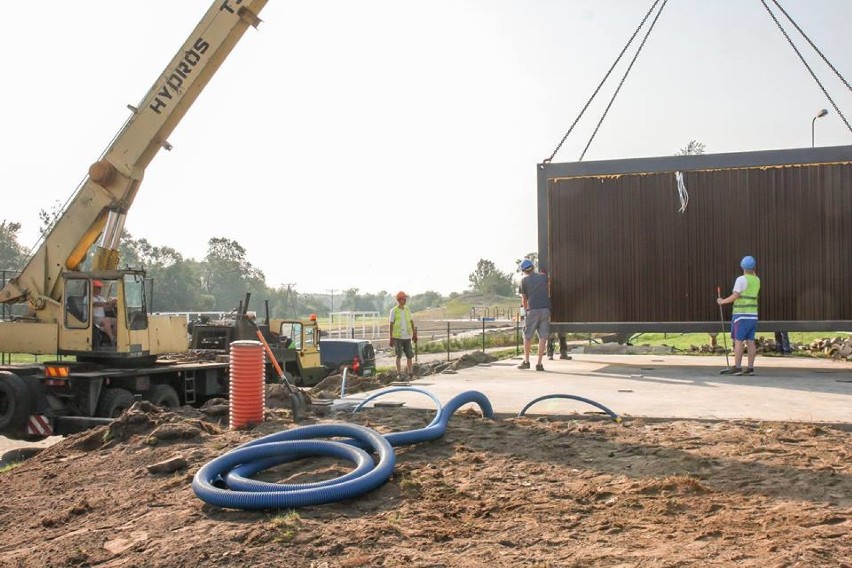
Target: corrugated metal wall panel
619	250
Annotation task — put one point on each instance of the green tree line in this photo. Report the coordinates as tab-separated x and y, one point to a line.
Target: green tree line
220	281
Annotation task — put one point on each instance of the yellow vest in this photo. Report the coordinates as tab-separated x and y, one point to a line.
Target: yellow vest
747	302
396	330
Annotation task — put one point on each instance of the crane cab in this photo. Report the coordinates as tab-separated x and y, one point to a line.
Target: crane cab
104	315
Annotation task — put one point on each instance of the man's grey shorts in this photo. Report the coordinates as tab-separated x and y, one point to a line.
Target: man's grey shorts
537	320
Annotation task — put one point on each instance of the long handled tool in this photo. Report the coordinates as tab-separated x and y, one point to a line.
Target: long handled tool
722	320
298	404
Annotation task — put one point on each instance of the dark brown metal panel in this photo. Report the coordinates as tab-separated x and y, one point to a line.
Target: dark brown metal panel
619	250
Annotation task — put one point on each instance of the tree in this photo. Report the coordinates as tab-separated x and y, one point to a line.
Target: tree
228	275
12	254
177	288
694	148
428	299
48	218
355	302
486	279
176	282
318	304
131	251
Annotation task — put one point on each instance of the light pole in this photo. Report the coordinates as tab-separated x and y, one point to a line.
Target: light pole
820	114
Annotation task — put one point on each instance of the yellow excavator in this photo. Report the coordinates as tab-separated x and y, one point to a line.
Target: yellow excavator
79	303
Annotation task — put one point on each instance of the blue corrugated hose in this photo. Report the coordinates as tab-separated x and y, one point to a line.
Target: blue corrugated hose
615	417
224	481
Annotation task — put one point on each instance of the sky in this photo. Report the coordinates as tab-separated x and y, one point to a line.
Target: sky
387	145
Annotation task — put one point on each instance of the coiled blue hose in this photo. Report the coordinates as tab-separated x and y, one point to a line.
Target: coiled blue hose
224	481
206	482
615	417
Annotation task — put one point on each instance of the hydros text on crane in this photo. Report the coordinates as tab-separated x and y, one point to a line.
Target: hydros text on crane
170	89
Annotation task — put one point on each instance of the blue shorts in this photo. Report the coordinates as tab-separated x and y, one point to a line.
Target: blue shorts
743	329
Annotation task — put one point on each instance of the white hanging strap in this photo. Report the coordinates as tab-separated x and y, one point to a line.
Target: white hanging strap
681	192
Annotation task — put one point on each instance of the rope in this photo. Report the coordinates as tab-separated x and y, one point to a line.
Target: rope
681	192
594	94
805	63
623	78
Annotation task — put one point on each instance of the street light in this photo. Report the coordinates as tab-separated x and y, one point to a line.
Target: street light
820	114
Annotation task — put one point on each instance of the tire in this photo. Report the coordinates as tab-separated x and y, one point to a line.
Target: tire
163	395
17	402
114	402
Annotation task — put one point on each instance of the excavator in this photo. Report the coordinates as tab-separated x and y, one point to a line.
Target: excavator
114	340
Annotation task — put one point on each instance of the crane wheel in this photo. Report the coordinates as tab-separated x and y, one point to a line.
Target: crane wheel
17	402
163	395
114	402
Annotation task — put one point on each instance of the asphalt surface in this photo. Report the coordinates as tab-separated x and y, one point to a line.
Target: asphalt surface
654	387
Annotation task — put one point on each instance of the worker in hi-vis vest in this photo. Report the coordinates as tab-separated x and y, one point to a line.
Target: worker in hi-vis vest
744	317
402	333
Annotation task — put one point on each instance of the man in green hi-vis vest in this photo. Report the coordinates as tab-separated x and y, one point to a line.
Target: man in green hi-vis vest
402	332
744	317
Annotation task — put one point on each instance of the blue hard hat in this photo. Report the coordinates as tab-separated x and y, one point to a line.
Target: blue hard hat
748	263
527	264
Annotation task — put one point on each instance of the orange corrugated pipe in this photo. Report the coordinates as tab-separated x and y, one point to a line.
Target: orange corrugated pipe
247	394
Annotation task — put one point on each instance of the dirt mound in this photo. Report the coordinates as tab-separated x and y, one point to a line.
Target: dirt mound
331	386
515	492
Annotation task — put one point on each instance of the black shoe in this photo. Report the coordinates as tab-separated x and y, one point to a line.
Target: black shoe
565	357
749	371
539	367
732	371
550	357
524	365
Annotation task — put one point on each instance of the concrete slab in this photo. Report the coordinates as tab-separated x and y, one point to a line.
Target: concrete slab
656	386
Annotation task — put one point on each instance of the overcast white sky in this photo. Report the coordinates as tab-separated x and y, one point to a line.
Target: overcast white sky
388	145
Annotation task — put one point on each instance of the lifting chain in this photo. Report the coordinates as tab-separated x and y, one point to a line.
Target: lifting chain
623	78
617	59
804	35
805	63
635	33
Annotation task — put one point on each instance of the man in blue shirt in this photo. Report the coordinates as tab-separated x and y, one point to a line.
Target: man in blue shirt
535	299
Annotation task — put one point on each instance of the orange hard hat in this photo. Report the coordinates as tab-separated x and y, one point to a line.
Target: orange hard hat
97	283
400	295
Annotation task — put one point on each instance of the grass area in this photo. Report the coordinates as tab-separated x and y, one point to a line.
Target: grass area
499	339
27	358
507	353
683	341
9	467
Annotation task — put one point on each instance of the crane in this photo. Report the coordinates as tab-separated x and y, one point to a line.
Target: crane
81	247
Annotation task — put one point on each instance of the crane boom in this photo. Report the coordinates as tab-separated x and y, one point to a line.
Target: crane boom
96	212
